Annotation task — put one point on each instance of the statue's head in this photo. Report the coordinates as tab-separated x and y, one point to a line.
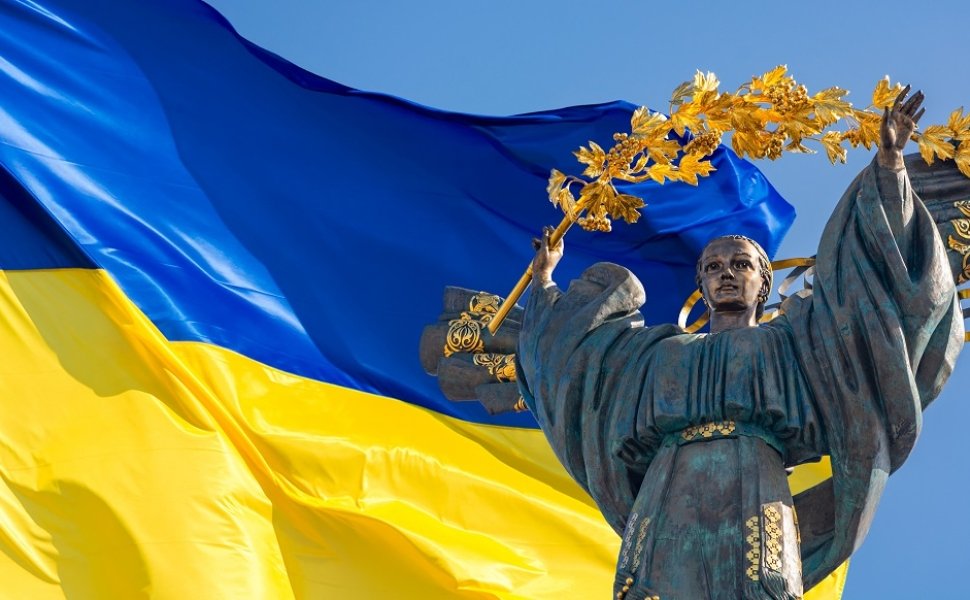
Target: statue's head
734	273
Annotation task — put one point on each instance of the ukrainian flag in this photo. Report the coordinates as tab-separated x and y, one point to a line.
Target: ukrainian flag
216	269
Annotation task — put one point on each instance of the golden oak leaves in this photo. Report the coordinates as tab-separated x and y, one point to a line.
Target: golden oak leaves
765	118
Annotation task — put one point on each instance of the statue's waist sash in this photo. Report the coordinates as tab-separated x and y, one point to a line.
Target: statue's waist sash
722	429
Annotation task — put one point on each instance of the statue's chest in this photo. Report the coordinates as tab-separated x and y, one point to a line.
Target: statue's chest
731	366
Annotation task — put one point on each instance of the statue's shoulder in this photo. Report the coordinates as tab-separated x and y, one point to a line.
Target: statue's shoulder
609	282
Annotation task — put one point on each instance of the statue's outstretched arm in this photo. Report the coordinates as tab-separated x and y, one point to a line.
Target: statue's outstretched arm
898	124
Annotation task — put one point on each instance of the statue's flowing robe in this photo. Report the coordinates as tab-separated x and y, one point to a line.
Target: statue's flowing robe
682	439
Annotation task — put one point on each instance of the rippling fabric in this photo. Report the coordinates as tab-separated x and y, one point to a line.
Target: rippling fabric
242	201
135	467
216	270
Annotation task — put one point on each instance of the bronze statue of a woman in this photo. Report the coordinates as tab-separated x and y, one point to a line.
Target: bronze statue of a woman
683	440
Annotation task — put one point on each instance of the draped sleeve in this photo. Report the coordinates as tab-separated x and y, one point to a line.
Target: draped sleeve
582	355
876	340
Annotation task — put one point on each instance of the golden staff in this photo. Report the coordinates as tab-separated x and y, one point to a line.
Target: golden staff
526	279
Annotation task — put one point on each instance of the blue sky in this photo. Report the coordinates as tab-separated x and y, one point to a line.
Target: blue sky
505	57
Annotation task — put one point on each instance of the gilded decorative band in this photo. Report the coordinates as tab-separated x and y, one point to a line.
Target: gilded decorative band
772	522
483	302
723	429
754	548
961	243
464	335
708	430
502	366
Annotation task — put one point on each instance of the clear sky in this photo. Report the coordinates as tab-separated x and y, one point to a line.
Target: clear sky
504	57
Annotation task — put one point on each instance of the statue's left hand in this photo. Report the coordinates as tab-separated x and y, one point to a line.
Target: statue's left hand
898	124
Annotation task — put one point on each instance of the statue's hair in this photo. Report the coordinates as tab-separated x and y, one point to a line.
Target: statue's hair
767	275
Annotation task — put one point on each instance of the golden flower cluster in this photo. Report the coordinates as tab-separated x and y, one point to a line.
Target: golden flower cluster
770	115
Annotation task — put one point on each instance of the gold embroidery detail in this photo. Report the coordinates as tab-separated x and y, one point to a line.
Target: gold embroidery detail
464	335
502	366
638	551
484	304
519	405
709	430
772	537
754	548
962	229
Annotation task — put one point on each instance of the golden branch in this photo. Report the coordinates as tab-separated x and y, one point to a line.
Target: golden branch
770	115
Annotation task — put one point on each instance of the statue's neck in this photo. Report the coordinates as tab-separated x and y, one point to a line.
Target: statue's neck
726	320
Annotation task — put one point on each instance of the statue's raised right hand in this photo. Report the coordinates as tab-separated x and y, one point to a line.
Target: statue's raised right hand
898	124
546	258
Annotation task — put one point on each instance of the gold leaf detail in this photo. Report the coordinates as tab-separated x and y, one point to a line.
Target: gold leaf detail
686	117
963	158
832	142
958	121
681	93
626	207
593	157
885	95
764	119
566	201
643	122
829	106
660	171
705	82
934	142
692	166
770	79
556	180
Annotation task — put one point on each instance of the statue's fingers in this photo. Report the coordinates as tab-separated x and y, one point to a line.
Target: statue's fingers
536	243
546	233
902	96
912	105
918	115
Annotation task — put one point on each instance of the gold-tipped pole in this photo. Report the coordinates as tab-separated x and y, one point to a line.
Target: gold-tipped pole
526	278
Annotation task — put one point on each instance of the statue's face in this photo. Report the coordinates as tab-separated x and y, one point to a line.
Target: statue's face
730	276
